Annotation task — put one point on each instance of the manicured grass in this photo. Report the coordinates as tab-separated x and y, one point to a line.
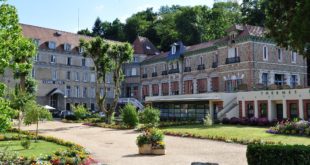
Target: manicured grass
36	149
240	132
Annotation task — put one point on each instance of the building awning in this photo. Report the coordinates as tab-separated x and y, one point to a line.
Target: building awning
191	97
55	91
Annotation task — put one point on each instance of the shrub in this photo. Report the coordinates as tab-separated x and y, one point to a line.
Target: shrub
225	121
71	117
143	139
234	120
129	116
288	127
278	154
152	136
25	143
207	121
149	117
80	112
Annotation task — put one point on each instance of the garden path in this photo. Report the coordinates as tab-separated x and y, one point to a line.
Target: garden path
117	147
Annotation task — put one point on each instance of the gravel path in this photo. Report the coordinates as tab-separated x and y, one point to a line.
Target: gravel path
117	147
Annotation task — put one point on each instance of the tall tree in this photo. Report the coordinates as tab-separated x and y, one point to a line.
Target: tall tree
288	24
114	30
97	28
97	49
253	12
120	54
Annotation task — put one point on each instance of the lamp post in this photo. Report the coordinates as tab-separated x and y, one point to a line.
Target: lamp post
65	97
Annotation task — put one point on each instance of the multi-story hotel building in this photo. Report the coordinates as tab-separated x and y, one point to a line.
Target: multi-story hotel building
63	75
190	81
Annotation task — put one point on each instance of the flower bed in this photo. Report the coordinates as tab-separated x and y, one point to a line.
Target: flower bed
75	155
221	138
104	125
301	128
248	121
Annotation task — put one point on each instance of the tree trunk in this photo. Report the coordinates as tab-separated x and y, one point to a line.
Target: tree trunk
37	130
19	121
117	81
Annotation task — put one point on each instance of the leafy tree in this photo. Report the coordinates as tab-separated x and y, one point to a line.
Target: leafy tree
86	32
114	30
80	112
253	12
97	49
6	113
288	24
120	54
130	116
35	113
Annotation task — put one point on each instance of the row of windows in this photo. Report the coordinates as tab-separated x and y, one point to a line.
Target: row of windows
52	46
279	55
83	92
53	60
279	79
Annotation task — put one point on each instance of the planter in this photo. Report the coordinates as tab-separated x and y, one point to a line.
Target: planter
145	149
158	151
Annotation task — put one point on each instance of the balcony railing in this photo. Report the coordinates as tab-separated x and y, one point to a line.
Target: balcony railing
164	72
201	67
232	60
154	74
144	76
187	69
214	64
171	71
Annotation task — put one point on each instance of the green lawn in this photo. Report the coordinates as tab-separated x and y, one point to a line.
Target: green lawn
240	132
36	149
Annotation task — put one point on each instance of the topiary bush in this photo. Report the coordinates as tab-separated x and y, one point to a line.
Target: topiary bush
208	121
278	154
129	116
150	117
25	143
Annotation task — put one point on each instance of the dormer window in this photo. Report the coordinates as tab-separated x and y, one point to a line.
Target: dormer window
201	60
293	57
36	42
52	45
81	50
67	47
173	49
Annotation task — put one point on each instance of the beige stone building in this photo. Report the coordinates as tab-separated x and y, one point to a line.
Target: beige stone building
63	75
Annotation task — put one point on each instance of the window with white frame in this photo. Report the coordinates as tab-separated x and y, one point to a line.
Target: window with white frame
173	49
77	91
37	57
187	62
53	59
67	47
84	92
294	81
68	91
145	70
265	79
85	76
92	77
135	59
52	45
134	71
77	76
293	57
83	62
265	53
92	92
101	92
81	50
69	61
33	73
200	60
154	69
36	42
68	75
233	52
54	74
108	78
279	54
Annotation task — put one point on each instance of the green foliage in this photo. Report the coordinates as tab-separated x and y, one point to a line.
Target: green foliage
80	112
143	139
278	154
130	116
35	113
150	117
25	143
208	121
253	12
287	24
6	113
152	136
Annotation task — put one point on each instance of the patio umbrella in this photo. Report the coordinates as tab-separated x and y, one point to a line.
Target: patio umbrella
48	107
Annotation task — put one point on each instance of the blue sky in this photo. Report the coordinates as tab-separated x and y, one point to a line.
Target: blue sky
63	14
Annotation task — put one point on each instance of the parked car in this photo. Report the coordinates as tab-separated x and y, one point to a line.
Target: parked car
65	113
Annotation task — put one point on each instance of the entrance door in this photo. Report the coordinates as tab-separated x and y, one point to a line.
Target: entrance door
54	101
128	91
279	108
215	111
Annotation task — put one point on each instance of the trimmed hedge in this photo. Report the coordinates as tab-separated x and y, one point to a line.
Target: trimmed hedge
278	154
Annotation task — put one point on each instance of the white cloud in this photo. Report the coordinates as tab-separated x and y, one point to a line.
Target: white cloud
99	8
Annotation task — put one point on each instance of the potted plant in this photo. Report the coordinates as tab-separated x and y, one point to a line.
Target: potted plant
158	148
144	143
